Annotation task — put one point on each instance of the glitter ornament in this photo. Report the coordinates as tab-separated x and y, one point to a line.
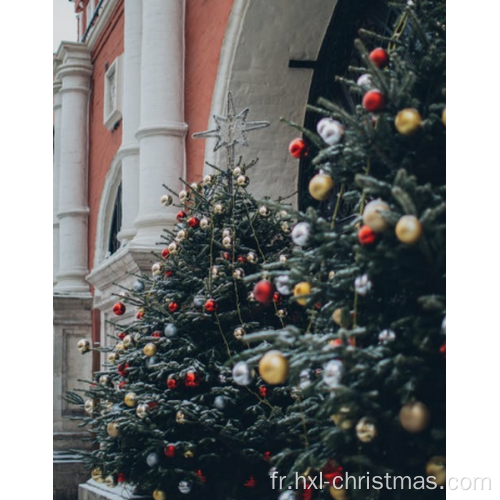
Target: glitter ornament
138	286
170	331
204	223
243	374
301	234
142	410
331	131
386	336
153	459
185	487
332	373
362	285
283	284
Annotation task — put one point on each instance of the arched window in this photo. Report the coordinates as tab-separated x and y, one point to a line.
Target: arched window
116	223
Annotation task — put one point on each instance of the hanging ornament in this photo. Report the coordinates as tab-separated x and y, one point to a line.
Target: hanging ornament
263	391
112	429
277	298
83	346
243	374
159	495
204	223
96	475
298	148
321	186
181	215
302	290
374	101
408	229
170	331
362	285
273	368
288	495
305	379
283	284
185	487
156	334
128	341
343	418
239	333
250	482
131	399
211	306
238	273
265	212
139	314
153	459
156	269
219	208
251	297
379	57
180	418
365	81
89	406
165	253
331	131
366	430
192	379
193	222
283	259
142	410
220	402
338	493
173	248
122	335
172	382
181	235
443	117
149	349
372	215
112	357
386	336
104	380
414	417
301	233
138	286
281	313
337	316
208	179
408	121
227	242
120	478
170	450
243	180
184	196
332	373
166	200
436	467
119	308
237	171
252	258
263	292
173	306
110	481
366	235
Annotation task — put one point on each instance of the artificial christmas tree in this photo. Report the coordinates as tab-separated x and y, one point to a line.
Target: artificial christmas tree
368	373
172	413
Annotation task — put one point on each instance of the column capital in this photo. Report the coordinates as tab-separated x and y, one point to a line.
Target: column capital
72	59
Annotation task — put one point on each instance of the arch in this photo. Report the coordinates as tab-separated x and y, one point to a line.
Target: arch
261	39
106	208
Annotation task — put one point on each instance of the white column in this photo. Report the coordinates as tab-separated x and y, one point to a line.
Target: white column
55	176
74	74
129	149
162	128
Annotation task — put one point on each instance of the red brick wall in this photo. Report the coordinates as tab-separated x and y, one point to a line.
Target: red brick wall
206	22
103	144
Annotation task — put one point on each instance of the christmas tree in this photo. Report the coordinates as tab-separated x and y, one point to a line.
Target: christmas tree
368	373
173	414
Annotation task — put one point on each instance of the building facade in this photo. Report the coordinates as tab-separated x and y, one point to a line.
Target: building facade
144	76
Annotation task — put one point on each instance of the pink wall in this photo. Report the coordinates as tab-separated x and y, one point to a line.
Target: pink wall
206	22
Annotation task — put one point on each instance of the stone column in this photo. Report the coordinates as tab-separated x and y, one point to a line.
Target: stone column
74	74
162	129
55	176
129	149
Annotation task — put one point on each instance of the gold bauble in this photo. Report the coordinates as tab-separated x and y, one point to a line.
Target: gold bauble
112	357
414	417
180	418
321	186
239	333
372	215
408	121
131	399
113	429
149	349
89	406
436	467
189	454
159	495
443	117
119	347
302	288
104	380
339	494
96	475
110	481
273	368
408	229
337	316
342	419
366	430
83	346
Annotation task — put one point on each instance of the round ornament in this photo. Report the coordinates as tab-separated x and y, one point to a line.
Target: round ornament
374	101
366	235
366	430
379	57
184	196
166	200
110	481
264	212
173	306
362	285
252	258
372	215
301	233
414	417
170	450
83	346
386	336
436	467
211	306
181	216
165	253
138	286
219	208
153	459
238	274
204	223
119	309
365	81
302	290
142	410
408	121
192	379
343	418
193	222
283	284
237	171
243	181
185	487
180	418
181	235
239	333
227	242
243	374
408	229
149	349
220	402
331	131
173	248
89	406
263	291
170	331
298	148
321	186
96	475
112	357
208	179
273	368
112	429
332	373
159	495
131	399
172	382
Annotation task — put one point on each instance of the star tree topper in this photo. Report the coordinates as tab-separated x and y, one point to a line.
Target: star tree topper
231	129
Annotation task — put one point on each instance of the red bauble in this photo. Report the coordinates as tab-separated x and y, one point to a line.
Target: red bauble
157	334
379	57
298	148
168	273
442	350
173	306
172	382
122	335
336	342
241	259
139	314
181	215
263	291
165	253
123	370
277	297
211	306
192	379
119	308
200	474
250	482
228	256
193	222
122	384
307	494
152	404
120	478
170	450
366	236
374	101
266	456
263	391
332	472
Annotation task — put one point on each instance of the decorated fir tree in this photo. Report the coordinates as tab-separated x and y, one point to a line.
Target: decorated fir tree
173	414
368	373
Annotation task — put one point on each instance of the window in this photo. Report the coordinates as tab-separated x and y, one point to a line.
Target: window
116	223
